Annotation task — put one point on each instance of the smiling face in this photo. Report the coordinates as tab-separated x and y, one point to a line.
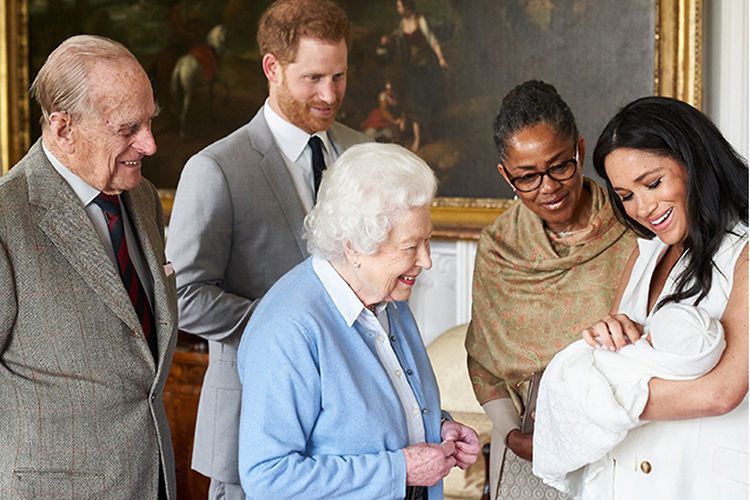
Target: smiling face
653	191
308	92
562	205
110	141
390	273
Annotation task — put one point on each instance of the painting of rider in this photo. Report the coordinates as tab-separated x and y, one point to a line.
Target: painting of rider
428	74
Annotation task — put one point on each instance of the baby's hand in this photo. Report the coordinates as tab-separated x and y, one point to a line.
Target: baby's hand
612	332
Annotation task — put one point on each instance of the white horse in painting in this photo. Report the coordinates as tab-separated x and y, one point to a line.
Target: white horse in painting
189	73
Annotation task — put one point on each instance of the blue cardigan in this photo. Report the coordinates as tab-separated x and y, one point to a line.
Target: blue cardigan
319	416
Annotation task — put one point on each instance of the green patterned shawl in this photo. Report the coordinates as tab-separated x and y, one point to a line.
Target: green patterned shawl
534	292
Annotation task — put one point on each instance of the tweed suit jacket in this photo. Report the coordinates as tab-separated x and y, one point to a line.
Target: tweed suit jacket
236	227
80	393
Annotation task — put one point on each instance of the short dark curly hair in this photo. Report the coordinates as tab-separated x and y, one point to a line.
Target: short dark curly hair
529	104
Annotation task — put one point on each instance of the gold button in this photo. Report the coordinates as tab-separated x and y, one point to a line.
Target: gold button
646	467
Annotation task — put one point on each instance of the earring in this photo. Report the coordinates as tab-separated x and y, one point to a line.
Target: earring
356	265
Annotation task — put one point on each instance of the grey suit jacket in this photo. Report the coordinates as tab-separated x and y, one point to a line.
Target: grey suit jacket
81	408
236	228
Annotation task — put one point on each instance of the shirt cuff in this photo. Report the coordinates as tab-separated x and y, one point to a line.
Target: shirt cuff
503	415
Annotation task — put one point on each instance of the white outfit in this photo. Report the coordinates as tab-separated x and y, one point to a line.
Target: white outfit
590	398
692	459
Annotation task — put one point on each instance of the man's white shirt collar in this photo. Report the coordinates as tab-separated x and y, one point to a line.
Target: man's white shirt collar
84	191
291	139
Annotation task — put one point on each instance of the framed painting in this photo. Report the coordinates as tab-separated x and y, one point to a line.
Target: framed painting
432	81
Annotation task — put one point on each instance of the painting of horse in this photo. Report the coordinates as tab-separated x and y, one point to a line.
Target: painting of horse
199	67
435	89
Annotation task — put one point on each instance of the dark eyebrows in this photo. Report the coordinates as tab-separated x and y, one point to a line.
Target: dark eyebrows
525	167
639	179
555	160
646	174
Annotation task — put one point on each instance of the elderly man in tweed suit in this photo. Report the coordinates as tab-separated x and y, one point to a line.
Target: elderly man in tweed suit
87	302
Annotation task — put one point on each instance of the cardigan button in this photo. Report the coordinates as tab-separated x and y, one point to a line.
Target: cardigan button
646	467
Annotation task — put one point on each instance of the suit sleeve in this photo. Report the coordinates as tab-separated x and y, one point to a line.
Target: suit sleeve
281	402
159	214
8	302
199	245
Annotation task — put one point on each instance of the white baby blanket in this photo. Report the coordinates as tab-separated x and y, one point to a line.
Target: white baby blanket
590	398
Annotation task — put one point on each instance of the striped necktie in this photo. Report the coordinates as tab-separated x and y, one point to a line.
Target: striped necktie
110	205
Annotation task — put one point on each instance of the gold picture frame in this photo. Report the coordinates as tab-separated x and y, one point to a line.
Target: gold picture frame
677	73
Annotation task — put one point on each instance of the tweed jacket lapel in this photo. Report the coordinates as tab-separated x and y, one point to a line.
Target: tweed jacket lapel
136	201
65	222
277	175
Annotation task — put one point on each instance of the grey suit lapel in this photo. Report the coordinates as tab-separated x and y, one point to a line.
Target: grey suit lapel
146	229
342	137
66	224
338	140
277	175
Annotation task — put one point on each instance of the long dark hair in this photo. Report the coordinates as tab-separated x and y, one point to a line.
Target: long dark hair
717	179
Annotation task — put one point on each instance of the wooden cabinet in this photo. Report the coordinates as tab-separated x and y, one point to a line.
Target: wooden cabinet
181	400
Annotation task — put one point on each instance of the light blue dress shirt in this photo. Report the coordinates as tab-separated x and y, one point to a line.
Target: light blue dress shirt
320	418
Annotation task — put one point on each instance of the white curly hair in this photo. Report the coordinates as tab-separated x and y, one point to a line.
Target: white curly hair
361	194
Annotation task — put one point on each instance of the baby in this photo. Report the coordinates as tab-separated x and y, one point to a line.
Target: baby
590	398
682	329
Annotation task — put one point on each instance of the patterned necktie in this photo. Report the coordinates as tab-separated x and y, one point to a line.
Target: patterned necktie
110	205
318	163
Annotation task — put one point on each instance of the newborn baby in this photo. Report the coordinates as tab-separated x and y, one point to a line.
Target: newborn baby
682	329
590	398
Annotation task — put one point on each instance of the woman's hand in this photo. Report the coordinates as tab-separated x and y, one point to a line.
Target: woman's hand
521	444
466	440
613	332
428	463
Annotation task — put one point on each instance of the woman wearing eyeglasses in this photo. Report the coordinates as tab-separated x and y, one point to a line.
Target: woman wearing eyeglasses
546	268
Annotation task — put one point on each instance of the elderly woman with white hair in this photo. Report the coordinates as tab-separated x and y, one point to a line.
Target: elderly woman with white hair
338	396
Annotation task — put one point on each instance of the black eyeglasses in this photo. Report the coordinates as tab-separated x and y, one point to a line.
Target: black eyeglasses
531	181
